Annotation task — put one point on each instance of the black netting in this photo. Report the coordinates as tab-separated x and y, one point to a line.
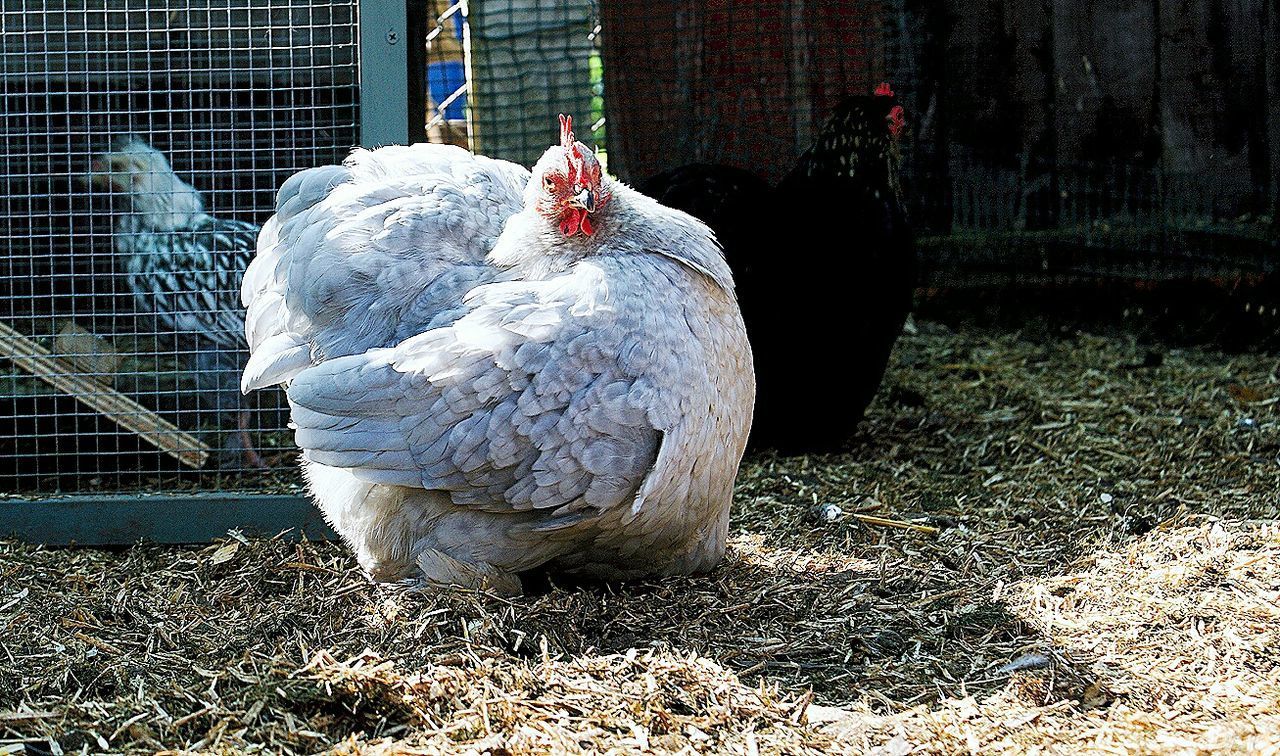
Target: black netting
499	73
1044	142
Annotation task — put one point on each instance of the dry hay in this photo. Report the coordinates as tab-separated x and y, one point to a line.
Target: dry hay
1164	646
1090	563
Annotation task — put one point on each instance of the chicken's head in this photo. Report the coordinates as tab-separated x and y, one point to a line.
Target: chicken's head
567	184
859	145
143	174
896	119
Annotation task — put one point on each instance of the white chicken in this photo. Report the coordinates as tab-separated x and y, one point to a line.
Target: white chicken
492	371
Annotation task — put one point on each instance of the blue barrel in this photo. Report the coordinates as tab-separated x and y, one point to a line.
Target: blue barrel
443	79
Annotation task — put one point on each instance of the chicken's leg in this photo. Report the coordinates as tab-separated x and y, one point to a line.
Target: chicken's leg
252	459
218	383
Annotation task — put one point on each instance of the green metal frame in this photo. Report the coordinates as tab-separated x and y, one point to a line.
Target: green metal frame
392	73
117	520
392	102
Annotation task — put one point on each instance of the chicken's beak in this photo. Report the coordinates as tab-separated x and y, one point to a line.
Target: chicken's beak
106	172
584	200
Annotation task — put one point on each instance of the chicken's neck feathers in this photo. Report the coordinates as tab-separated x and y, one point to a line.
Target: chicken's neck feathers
533	247
164	204
163	221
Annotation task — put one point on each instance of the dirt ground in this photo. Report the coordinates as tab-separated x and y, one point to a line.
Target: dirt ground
1046	543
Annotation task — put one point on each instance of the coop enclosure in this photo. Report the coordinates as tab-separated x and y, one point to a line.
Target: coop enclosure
112	321
1046	143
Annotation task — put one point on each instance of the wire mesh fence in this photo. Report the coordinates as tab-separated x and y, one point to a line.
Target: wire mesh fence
143	144
500	71
1044	141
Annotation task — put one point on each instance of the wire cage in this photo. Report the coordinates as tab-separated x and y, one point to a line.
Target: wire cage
143	145
1046	143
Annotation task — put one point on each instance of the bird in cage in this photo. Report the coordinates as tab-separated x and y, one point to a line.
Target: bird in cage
841	207
492	370
183	266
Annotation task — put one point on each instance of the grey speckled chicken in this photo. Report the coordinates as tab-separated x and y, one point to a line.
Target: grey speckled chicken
492	371
183	266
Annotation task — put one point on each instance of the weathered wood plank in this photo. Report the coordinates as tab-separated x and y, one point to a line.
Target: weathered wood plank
1271	61
924	32
1033	100
1202	155
57	372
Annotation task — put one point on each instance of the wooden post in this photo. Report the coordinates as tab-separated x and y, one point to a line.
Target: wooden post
1034	97
929	31
1271	51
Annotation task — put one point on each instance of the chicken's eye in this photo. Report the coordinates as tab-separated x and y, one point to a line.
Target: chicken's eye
548	183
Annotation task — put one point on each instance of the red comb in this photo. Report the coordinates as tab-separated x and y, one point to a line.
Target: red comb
570	144
897	120
566	130
884	90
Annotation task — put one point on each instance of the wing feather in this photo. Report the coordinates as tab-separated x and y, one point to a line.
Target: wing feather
366	254
503	413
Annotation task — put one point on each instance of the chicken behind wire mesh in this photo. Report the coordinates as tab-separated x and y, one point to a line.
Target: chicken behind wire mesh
822	335
184	267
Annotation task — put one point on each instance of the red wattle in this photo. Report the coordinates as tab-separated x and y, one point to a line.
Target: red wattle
575	220
897	120
569	225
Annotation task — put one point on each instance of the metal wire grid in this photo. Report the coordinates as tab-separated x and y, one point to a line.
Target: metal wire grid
500	71
236	95
1040	142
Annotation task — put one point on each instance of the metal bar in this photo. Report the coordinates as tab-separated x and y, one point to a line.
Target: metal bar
122	520
384	72
443	107
416	71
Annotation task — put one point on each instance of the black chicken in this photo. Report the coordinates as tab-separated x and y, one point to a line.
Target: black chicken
732	201
820	363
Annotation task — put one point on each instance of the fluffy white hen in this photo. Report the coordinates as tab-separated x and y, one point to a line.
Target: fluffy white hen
492	371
